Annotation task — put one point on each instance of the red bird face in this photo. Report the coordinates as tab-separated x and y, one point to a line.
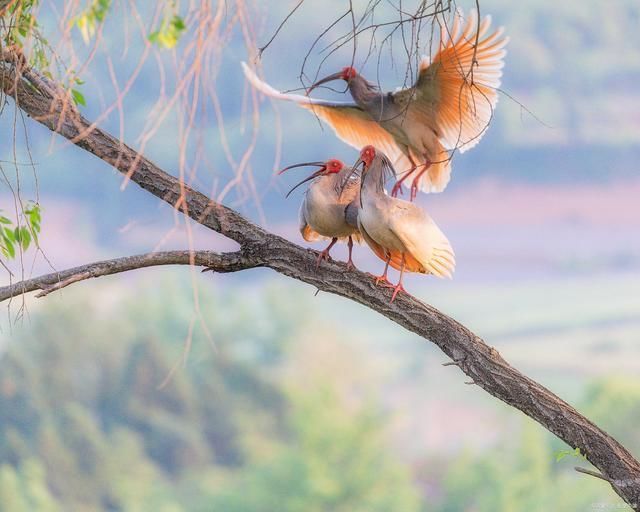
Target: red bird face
348	73
367	155
333	166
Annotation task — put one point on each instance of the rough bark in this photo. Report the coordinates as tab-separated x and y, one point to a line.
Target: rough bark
227	262
471	354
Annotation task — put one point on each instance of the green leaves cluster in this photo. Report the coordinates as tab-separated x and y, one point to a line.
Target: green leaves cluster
22	26
21	22
88	21
19	236
169	33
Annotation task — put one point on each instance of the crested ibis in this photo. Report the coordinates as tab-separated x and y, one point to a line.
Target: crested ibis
328	209
448	108
399	232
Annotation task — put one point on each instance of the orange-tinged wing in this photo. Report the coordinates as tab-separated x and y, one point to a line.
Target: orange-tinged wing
379	251
425	243
350	123
458	93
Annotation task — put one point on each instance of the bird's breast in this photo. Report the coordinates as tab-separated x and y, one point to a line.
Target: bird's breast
325	213
374	217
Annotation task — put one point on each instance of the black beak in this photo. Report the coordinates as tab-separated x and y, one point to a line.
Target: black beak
354	168
319	172
318	164
330	78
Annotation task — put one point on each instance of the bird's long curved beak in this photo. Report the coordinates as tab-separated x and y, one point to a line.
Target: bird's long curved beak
330	78
354	168
319	172
304	164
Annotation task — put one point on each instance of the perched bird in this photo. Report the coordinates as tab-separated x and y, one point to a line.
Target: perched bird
329	209
399	232
448	108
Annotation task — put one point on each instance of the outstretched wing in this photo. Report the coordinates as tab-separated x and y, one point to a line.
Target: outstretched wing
350	123
459	86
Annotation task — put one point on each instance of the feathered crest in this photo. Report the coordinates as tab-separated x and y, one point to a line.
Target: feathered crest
389	169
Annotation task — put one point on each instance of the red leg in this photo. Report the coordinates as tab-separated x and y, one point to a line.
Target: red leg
398	186
383	278
416	180
324	255
350	264
399	287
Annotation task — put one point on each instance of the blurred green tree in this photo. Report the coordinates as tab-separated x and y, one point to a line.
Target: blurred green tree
336	461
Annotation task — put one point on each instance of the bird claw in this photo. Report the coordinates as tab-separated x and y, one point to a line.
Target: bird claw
382	279
350	265
396	289
324	255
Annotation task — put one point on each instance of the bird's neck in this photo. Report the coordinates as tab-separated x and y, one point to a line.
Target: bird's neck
373	181
362	91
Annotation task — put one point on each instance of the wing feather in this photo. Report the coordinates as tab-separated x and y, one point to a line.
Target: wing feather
465	93
350	123
424	241
305	230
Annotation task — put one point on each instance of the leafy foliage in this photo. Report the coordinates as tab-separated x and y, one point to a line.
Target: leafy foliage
20	235
88	20
21	27
168	35
561	454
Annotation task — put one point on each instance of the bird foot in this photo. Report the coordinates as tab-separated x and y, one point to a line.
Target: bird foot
396	289
324	255
350	265
382	281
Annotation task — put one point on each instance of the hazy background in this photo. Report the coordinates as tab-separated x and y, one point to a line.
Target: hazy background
289	401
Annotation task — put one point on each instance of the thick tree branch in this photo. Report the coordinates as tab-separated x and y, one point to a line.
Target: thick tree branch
482	363
226	262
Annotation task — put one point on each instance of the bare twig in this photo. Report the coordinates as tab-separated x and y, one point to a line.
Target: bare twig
226	262
282	24
591	473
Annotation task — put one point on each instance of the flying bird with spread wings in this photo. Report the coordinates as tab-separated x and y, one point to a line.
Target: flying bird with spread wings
448	108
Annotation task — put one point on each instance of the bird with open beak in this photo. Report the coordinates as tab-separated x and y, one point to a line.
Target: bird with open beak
329	207
399	232
448	108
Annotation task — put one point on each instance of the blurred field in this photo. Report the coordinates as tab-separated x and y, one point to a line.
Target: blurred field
274	367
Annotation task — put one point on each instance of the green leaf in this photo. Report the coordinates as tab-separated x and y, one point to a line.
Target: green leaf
8	249
169	33
178	23
78	97
9	235
25	238
4	220
561	454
